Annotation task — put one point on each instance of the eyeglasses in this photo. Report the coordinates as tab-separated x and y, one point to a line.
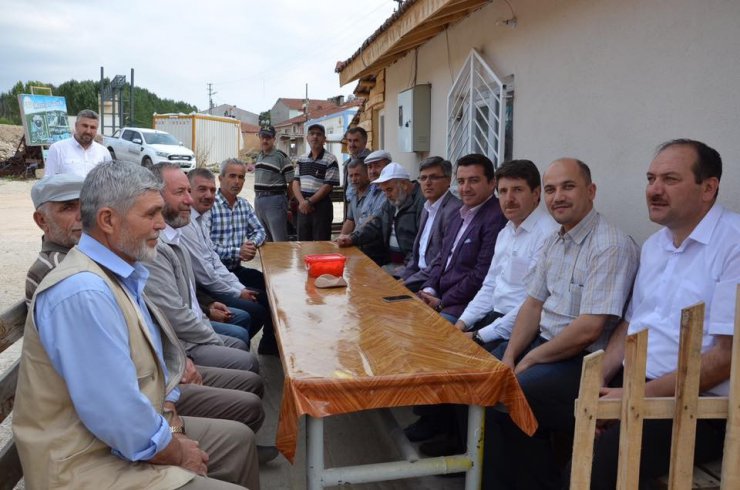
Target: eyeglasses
432	178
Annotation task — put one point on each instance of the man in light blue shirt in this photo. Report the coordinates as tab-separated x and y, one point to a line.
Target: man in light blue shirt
82	346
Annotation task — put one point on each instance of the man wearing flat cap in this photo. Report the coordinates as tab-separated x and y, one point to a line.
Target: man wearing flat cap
273	174
57	202
375	162
318	173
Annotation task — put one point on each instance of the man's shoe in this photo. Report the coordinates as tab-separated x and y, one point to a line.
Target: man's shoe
421	430
265	454
444	447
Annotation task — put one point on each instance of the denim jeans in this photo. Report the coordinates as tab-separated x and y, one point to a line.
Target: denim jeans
259	311
232	331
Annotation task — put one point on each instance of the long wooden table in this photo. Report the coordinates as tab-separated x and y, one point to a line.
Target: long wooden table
346	350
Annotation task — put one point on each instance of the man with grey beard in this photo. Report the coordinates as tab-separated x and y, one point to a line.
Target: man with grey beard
97	383
396	228
171	284
205	391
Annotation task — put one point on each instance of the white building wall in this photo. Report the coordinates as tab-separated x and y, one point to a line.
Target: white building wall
599	80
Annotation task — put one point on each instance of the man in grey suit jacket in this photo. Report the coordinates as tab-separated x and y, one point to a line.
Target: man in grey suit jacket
435	175
171	284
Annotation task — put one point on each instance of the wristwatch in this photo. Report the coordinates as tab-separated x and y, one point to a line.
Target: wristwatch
477	339
177	429
439	306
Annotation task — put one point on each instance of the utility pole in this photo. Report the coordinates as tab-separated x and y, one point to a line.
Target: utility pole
211	93
305	104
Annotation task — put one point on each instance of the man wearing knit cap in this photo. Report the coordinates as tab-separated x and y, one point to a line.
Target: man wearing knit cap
272	178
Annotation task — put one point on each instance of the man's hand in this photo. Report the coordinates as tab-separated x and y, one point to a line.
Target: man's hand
429	299
181	451
344	241
248	295
527	362
305	207
461	325
193	458
508	359
247	251
606	392
219	312
191	374
469	335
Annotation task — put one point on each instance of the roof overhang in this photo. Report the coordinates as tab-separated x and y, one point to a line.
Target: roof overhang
416	22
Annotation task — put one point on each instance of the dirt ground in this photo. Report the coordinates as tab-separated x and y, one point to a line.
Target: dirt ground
21	239
9	138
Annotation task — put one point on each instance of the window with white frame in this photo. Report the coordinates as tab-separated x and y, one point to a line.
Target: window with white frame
478	119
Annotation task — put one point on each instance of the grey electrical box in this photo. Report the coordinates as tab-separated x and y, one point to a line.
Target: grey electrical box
414	118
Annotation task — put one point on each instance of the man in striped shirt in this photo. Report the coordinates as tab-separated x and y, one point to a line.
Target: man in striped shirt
274	171
318	173
57	202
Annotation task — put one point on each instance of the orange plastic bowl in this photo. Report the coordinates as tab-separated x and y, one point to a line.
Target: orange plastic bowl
325	264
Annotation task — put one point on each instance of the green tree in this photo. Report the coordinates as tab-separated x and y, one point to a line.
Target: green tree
79	95
84	95
9	108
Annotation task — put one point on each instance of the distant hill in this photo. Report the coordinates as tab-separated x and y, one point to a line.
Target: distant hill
84	95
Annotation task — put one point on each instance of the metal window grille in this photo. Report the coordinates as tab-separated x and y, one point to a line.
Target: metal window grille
476	112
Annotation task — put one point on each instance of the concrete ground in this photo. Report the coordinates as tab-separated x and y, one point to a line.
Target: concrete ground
349	439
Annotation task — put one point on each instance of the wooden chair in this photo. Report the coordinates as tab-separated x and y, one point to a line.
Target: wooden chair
12	322
685	408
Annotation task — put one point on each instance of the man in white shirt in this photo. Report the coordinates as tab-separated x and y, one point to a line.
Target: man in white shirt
80	153
517	245
695	257
489	318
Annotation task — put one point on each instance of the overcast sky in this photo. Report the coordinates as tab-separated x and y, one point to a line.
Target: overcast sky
253	52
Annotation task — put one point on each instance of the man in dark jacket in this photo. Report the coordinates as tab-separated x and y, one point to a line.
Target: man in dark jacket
395	230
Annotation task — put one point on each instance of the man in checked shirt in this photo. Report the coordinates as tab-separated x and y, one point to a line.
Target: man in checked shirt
576	295
236	233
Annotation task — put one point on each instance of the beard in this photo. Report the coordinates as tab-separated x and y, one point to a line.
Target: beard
138	250
173	217
56	234
401	198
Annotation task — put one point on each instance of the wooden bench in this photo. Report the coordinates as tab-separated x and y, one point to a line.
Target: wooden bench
11	329
685	408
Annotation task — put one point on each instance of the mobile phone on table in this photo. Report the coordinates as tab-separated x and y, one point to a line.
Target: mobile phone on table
393	299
